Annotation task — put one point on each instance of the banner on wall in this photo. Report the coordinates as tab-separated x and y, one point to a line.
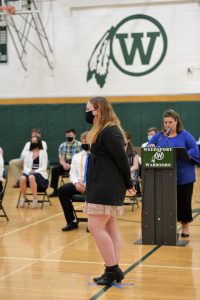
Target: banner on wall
137	45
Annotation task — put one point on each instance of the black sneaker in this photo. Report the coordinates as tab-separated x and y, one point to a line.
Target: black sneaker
71	226
53	194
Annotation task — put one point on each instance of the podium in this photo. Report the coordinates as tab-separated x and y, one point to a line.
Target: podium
159	200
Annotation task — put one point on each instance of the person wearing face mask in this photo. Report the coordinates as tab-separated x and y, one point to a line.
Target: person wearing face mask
77	184
66	152
108	178
150	133
34	171
174	135
16	164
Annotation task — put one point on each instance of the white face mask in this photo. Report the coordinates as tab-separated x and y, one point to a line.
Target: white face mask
149	137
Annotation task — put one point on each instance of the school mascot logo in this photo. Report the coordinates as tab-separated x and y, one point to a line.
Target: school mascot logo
136	46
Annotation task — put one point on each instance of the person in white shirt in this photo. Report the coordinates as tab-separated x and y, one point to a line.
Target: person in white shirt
77	184
16	164
150	132
34	171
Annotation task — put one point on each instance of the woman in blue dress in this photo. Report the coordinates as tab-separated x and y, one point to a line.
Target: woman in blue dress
173	135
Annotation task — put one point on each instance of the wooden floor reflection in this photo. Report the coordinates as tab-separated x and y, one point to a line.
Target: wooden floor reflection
38	261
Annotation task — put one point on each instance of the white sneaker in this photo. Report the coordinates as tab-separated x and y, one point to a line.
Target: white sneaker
34	204
21	203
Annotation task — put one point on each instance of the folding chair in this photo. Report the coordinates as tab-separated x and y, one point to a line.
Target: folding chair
40	192
64	176
134	199
5	175
79	198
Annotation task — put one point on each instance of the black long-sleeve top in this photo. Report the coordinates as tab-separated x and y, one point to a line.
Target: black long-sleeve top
108	174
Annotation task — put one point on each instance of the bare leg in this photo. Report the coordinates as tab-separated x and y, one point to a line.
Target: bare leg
115	236
97	227
33	186
23	186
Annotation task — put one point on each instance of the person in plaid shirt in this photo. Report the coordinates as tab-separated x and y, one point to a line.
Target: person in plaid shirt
65	153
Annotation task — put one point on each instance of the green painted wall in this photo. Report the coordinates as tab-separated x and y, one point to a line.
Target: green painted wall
16	122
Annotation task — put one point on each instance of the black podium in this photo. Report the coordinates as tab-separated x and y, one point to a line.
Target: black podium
159	200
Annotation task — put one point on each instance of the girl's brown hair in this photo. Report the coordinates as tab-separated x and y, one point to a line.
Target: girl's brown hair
171	113
106	117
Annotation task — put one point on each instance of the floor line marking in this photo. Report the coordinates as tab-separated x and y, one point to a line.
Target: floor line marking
34	223
58	260
67	245
133	266
30	225
169	267
43	257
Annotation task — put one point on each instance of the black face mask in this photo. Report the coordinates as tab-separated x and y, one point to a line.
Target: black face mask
33	146
85	147
69	138
89	117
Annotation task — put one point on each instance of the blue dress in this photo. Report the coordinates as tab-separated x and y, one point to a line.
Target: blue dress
185	170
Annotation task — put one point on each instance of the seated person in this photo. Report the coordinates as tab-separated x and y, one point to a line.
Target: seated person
16	164
34	171
76	186
150	133
133	160
65	152
1	171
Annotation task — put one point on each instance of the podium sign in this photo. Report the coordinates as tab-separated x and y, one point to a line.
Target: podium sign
158	158
159	196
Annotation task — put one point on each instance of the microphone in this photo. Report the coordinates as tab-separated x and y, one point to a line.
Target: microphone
167	130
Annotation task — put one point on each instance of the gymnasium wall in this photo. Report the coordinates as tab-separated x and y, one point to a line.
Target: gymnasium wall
146	59
16	122
75	28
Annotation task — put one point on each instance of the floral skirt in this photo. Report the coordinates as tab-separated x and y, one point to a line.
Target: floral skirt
101	209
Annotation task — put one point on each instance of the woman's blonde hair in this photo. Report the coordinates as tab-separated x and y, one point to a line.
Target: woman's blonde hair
106	117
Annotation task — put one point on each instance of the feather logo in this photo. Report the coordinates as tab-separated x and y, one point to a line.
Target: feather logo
98	64
135	52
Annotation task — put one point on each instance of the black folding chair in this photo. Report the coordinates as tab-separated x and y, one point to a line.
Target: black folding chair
133	199
64	176
79	198
2	193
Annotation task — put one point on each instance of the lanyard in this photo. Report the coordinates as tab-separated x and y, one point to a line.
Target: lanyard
81	166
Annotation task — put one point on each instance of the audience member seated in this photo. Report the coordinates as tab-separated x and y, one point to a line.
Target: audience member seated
16	164
133	160
66	151
150	133
1	171
76	186
34	171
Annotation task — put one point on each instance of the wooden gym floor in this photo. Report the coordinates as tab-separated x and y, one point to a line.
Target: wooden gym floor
38	261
